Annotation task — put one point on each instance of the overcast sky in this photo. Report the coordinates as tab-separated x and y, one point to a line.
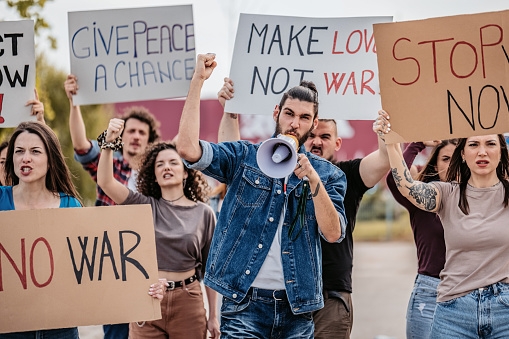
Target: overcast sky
216	20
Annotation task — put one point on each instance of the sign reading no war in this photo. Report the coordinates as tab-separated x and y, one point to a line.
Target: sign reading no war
445	77
274	53
132	54
76	266
17	71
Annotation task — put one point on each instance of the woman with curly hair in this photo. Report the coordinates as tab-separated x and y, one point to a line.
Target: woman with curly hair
184	226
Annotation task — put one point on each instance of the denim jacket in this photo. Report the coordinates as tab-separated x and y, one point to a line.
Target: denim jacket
249	220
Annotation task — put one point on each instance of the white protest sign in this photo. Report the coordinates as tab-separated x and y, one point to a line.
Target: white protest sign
274	53
132	54
17	71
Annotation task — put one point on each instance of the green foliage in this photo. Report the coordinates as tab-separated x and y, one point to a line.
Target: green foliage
30	9
50	84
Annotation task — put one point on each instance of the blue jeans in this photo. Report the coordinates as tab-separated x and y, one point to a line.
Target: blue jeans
116	331
421	307
483	313
60	333
263	314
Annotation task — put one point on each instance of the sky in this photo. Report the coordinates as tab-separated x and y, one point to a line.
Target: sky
216	21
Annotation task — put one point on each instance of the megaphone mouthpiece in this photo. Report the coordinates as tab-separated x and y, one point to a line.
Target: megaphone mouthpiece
281	152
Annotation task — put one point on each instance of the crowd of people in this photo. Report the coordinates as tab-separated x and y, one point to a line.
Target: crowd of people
281	251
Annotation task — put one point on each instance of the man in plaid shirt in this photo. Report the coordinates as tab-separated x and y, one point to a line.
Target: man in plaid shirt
141	129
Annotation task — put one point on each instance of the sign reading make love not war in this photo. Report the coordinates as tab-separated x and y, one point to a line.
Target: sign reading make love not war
274	53
76	266
445	77
132	54
17	71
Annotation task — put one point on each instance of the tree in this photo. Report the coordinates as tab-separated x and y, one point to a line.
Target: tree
30	9
50	86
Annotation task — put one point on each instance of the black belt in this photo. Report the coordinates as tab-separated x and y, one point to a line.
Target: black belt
272	294
174	284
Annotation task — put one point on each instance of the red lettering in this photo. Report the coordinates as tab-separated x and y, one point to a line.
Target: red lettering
52	264
334	81
348	42
433	43
452	54
351	82
364	83
334	46
370	41
402	59
492	44
21	274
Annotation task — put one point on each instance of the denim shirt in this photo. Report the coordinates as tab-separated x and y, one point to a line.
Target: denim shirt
249	220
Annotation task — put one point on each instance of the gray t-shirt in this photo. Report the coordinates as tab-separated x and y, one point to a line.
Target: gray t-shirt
477	244
183	233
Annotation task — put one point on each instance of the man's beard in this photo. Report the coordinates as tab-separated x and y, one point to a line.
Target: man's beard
331	158
302	139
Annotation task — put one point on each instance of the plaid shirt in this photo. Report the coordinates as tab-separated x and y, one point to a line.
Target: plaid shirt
89	159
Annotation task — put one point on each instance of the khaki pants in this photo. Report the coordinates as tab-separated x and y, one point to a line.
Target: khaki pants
335	319
183	316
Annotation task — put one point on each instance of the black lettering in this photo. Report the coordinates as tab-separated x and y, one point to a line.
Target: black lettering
470	122
106	242
263	31
84	259
124	256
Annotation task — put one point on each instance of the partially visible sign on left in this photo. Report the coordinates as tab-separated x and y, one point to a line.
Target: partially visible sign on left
17	71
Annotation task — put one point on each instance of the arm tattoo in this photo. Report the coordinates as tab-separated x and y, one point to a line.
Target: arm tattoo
316	190
424	195
396	176
408	177
233	116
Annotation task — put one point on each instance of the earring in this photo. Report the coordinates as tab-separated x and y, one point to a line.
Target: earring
184	182
463	161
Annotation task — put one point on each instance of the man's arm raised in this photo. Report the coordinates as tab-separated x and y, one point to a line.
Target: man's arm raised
77	128
229	127
188	140
375	165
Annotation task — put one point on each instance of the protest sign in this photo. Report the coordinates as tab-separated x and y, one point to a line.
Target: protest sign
274	53
17	71
76	266
132	54
445	77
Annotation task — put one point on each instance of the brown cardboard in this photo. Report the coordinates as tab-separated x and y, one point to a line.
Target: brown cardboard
54	298
424	105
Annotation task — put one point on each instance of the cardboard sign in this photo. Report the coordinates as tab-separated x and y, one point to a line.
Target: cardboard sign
274	53
76	266
446	77
132	54
17	71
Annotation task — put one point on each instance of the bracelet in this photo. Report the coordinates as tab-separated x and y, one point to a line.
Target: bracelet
115	145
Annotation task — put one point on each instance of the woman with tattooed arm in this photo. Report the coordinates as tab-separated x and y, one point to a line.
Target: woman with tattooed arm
473	294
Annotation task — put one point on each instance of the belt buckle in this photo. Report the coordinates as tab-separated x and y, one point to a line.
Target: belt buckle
171	286
274	295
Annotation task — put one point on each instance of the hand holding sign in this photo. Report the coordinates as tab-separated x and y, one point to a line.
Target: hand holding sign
226	92
37	107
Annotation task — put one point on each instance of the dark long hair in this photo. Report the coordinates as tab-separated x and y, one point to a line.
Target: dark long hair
58	176
458	170
195	189
429	171
3	146
306	91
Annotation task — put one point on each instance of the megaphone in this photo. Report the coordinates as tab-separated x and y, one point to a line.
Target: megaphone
277	157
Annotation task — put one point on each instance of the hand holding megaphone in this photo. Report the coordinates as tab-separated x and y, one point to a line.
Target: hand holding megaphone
278	158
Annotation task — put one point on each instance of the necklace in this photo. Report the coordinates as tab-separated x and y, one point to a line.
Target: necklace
172	201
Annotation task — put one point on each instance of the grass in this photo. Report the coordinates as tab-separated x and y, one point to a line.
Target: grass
380	230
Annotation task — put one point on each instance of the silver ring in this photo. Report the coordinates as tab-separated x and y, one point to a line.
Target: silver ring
298	163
